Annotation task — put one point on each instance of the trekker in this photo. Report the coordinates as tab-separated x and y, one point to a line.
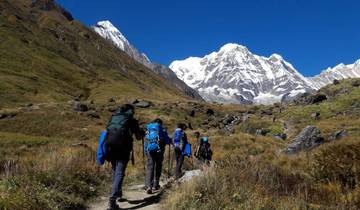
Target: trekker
119	144
154	146
203	152
179	143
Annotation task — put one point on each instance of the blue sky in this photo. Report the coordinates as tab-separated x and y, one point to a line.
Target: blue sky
310	34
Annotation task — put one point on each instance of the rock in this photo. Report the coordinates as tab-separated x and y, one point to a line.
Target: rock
338	135
210	112
317	98
3	116
143	104
192	113
134	101
336	82
308	138
111	100
281	136
266	112
355	83
188	175
315	115
93	114
262	132
307	98
80	107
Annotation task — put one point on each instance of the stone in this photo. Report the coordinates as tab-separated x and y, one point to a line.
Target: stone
143	104
315	115
80	107
338	135
281	136
192	113
111	100
355	83
93	114
307	139
336	82
317	98
3	116
210	112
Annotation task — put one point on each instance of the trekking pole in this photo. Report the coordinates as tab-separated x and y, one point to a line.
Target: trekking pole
169	164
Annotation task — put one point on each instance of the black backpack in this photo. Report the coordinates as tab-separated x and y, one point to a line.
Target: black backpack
119	138
204	151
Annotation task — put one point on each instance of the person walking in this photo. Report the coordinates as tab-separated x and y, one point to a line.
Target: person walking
179	143
203	152
122	126
154	146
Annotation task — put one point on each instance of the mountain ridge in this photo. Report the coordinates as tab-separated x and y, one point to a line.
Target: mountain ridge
262	80
109	32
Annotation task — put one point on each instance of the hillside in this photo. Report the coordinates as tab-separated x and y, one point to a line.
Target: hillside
46	55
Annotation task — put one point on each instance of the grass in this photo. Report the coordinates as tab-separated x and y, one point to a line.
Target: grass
251	172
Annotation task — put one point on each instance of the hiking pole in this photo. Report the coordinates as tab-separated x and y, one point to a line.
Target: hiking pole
169	164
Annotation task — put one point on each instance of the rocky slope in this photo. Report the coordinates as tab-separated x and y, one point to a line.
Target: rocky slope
108	31
235	75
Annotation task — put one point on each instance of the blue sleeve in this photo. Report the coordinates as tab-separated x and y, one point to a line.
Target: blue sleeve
165	137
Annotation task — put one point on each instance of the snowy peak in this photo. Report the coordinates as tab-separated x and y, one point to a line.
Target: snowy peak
108	31
235	75
339	72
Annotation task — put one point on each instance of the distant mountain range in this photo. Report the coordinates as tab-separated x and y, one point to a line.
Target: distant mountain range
108	31
235	75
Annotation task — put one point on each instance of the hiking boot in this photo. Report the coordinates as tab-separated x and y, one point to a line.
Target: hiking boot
113	205
157	187
149	190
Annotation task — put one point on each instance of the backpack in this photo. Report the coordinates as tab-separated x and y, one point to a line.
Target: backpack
187	150
119	127
101	154
119	137
204	150
178	139
152	137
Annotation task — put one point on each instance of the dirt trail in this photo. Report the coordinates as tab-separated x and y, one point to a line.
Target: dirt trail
134	198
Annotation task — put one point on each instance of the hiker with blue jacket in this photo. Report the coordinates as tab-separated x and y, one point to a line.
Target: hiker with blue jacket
182	148
155	141
119	144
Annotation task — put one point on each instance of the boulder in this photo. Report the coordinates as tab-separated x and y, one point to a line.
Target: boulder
338	135
281	136
143	104
192	113
93	114
3	116
317	98
308	138
210	112
80	107
336	82
355	83
315	115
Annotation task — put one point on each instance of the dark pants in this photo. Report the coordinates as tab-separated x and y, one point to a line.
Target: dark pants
118	167
153	169
179	157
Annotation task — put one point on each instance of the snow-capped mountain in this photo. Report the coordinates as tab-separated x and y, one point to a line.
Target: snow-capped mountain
339	72
235	75
108	31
